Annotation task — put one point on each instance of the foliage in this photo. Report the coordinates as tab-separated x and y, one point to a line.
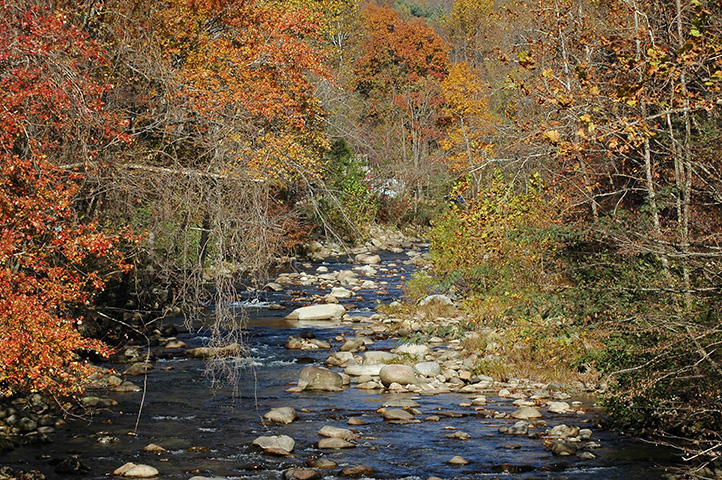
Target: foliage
397	73
50	265
467	142
52	261
349	206
501	244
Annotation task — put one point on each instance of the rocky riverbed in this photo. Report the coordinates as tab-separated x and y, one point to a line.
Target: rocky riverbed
329	387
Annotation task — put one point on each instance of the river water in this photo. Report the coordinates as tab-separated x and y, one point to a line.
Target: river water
207	428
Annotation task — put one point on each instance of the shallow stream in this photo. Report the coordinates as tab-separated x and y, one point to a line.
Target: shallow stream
207	429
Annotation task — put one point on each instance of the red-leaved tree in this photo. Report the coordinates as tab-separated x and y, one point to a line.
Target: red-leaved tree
50	259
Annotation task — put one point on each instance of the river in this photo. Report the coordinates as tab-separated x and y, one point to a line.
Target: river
207	427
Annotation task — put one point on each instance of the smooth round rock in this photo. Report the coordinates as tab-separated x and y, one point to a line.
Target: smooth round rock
275	444
301	474
427	369
323	463
131	470
401	374
357	471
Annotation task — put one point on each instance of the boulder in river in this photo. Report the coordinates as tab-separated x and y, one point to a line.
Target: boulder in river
319	378
301	474
131	470
276	444
367	259
327	311
526	413
231	350
415	351
335	443
360	370
139	368
281	415
376	357
357	471
340	292
559	407
336	432
397	414
427	369
401	374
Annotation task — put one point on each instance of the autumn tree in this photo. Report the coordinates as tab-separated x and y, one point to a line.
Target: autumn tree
616	102
471	125
218	99
52	261
398	73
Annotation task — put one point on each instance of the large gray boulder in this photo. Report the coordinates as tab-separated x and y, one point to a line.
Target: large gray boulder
401	374
231	350
329	431
526	413
319	378
329	311
367	259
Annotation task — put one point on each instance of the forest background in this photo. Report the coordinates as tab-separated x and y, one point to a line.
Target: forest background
150	150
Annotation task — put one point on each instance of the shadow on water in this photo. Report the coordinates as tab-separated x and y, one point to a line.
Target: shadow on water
207	429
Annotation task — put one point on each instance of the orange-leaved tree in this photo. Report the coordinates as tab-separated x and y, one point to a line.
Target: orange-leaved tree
398	73
50	259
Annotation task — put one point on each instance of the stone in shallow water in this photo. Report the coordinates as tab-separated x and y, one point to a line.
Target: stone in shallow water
355	421
397	414
401	374
458	460
131	470
562	448
334	443
357	471
324	463
279	444
401	403
526	413
559	407
301	474
281	415
335	432
319	378
318	312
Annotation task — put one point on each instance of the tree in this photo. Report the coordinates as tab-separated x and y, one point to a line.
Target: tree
398	73
468	141
51	260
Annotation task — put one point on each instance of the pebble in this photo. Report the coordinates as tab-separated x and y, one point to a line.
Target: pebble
458	460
